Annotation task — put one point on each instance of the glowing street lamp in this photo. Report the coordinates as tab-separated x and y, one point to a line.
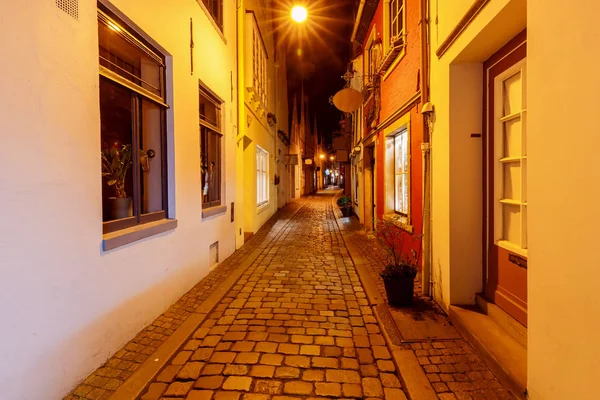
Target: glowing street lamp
331	158
322	156
299	14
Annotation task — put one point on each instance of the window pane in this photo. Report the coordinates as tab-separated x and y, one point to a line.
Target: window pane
151	168
512	138
512	181
511	223
512	94
401	194
116	139
120	53
209	111
524	228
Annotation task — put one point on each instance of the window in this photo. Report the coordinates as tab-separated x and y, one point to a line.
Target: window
510	170
133	128
210	148
396	20
256	65
373	59
401	168
262	181
215	8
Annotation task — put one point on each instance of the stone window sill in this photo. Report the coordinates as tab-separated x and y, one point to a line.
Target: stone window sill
113	240
262	207
212	211
400	221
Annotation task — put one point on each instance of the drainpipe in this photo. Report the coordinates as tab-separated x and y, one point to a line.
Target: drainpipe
361	6
427	281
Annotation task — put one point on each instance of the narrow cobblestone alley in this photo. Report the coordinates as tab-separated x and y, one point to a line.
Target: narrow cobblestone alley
289	319
296	325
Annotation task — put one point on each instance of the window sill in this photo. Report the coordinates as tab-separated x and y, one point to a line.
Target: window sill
262	207
394	64
400	221
113	240
513	248
220	32
212	211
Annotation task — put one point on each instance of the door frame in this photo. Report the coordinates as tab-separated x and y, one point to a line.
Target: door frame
509	55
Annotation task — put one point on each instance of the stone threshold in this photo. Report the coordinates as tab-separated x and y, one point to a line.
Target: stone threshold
502	352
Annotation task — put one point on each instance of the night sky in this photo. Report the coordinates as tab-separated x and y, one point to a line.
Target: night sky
324	44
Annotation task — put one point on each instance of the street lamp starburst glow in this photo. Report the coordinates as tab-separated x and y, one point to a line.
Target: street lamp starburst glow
299	13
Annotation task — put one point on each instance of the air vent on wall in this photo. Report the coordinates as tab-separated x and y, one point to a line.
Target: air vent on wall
71	7
213	254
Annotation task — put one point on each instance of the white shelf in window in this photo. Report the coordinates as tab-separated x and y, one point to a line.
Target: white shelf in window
511	202
512	116
512	247
510	159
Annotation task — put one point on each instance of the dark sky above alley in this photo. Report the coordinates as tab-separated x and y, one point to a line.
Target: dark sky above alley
318	53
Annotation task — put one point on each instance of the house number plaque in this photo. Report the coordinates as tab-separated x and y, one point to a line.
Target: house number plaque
519	261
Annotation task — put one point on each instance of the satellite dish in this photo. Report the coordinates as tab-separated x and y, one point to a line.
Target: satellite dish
348	100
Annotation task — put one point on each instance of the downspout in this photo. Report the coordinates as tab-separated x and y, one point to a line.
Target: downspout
427	281
361	6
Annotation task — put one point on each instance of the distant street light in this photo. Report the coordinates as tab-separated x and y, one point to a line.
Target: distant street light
331	158
322	156
299	14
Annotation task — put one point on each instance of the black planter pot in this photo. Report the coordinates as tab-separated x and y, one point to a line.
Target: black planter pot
399	291
346	211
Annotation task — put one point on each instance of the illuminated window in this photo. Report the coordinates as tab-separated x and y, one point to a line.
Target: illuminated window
262	176
401	170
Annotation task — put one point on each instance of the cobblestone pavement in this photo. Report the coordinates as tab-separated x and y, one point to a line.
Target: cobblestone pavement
102	383
297	325
454	369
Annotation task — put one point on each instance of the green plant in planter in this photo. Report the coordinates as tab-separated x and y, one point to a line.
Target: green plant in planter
115	164
345	204
344	201
401	268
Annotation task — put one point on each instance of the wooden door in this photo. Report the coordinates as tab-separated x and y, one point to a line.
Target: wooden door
506	186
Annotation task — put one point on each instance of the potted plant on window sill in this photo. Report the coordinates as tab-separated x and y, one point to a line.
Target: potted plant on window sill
345	205
115	164
400	269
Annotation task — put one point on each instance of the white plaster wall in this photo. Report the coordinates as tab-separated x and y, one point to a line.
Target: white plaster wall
456	94
466	192
258	129
66	305
562	86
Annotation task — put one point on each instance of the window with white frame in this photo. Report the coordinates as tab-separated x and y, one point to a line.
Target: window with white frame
396	20
262	176
401	172
256	60
510	169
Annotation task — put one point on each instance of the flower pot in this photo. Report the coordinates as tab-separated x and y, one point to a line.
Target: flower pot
346	211
121	207
399	291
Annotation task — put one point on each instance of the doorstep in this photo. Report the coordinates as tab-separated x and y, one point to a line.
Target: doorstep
506	357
